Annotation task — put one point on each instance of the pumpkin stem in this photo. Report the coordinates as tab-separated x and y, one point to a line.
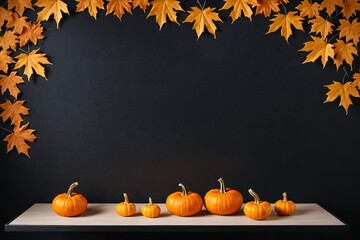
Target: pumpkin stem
126	198
150	201
222	185
285	197
255	196
183	190
71	189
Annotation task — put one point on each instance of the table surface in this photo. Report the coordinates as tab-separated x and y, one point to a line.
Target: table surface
103	217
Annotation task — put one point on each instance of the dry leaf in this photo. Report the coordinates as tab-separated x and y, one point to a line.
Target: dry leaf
308	9
164	8
17	23
284	22
10	83
118	7
32	60
91	5
51	7
318	48
240	7
9	40
351	31
344	52
13	112
203	18
5	15
267	6
321	26
20	5
18	137
143	4
32	32
344	91
350	7
5	60
330	5
356	81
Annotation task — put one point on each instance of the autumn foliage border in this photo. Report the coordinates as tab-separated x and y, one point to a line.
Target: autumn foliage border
334	37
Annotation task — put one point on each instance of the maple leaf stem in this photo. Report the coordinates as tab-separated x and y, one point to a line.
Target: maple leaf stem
346	74
201	6
336	15
6	130
284	8
4	3
335	35
23	50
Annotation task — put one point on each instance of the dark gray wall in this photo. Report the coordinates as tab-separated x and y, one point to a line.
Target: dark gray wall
129	108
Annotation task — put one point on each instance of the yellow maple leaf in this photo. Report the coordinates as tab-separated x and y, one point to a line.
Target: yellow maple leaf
356	81
330	5
32	60
318	48
20	5
13	112
91	5
10	83
284	22
17	23
164	8
350	7
5	60
51	7
118	7
344	91
308	9
267	6
321	26
142	4
5	15
18	139
240	7
32	32
344	52
351	31
203	18
9	40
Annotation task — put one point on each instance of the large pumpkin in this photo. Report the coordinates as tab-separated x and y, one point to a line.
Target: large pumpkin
183	203
125	208
257	210
285	207
223	201
69	204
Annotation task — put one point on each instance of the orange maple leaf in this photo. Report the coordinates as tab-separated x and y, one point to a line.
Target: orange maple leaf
267	6
240	7
142	4
351	31
9	40
32	60
308	9
356	81
5	15
13	112
32	32
203	18
18	137
51	7
17	23
321	26
10	83
350	7
5	60
344	91
330	5
118	7
20	5
164	8
284	22
91	5
318	48
344	52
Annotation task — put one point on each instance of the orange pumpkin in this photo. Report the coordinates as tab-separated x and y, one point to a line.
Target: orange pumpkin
150	210
69	204
257	210
125	208
285	207
184	203
223	201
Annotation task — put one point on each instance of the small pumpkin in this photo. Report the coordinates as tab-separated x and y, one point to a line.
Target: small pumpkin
285	207
223	201
150	210
257	210
125	208
183	203
69	204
